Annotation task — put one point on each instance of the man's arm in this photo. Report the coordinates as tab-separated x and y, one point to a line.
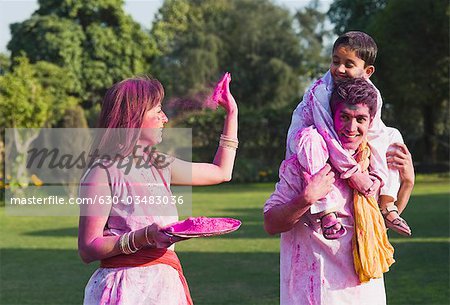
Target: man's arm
287	204
400	159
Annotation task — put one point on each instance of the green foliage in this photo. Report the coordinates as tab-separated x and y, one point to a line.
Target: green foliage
224	270
95	41
23	100
57	82
413	71
198	40
312	36
347	15
272	57
5	63
262	139
412	66
74	118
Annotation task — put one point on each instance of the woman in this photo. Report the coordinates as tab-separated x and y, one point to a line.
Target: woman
138	262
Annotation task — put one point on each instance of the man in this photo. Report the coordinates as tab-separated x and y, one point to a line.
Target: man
315	270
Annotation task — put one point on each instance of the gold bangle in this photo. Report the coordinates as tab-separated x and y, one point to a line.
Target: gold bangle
122	244
128	244
133	237
227	138
228	146
226	143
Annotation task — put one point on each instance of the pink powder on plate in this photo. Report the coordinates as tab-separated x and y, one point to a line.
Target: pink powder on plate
199	225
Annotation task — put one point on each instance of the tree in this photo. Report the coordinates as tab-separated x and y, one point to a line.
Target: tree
270	53
413	70
312	35
96	41
24	104
34	96
347	15
198	40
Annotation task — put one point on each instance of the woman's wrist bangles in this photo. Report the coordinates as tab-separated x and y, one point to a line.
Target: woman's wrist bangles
127	243
228	142
151	243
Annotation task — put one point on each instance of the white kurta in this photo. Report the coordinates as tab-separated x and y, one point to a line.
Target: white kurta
314	110
314	270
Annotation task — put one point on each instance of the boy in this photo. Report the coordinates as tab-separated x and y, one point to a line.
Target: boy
353	56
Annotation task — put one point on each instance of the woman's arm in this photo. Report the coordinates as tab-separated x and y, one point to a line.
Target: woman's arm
283	217
92	245
221	169
400	158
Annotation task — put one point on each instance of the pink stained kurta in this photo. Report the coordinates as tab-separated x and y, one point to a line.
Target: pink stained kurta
312	155
314	270
150	285
314	110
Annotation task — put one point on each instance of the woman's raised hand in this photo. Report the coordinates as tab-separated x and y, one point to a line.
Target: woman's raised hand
223	94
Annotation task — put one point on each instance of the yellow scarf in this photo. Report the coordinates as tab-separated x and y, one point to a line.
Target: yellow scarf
372	252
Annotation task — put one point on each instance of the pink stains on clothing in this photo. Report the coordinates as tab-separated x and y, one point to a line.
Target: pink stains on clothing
157	284
314	270
312	154
311	290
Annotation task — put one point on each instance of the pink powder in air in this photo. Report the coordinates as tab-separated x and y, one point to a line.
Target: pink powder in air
197	225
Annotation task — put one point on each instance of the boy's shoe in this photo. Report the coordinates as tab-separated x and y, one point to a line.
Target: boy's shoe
399	225
332	228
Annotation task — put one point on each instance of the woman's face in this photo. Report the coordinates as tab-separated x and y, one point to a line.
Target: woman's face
152	125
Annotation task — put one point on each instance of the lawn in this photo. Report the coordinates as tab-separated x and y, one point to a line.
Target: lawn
39	262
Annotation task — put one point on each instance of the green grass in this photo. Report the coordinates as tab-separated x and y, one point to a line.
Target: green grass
40	265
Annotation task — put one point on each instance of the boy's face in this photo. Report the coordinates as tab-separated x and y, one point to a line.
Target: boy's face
345	64
351	123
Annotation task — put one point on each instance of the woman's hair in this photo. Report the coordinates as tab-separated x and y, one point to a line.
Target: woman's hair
360	42
123	109
354	91
126	102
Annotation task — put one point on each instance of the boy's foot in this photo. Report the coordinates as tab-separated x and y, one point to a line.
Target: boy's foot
332	228
393	221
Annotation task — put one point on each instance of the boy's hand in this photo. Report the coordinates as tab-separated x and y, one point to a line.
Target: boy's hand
318	185
374	188
361	182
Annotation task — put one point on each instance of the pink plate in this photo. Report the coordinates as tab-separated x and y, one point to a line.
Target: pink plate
202	227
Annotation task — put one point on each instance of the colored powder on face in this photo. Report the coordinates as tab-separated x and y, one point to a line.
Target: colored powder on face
195	225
